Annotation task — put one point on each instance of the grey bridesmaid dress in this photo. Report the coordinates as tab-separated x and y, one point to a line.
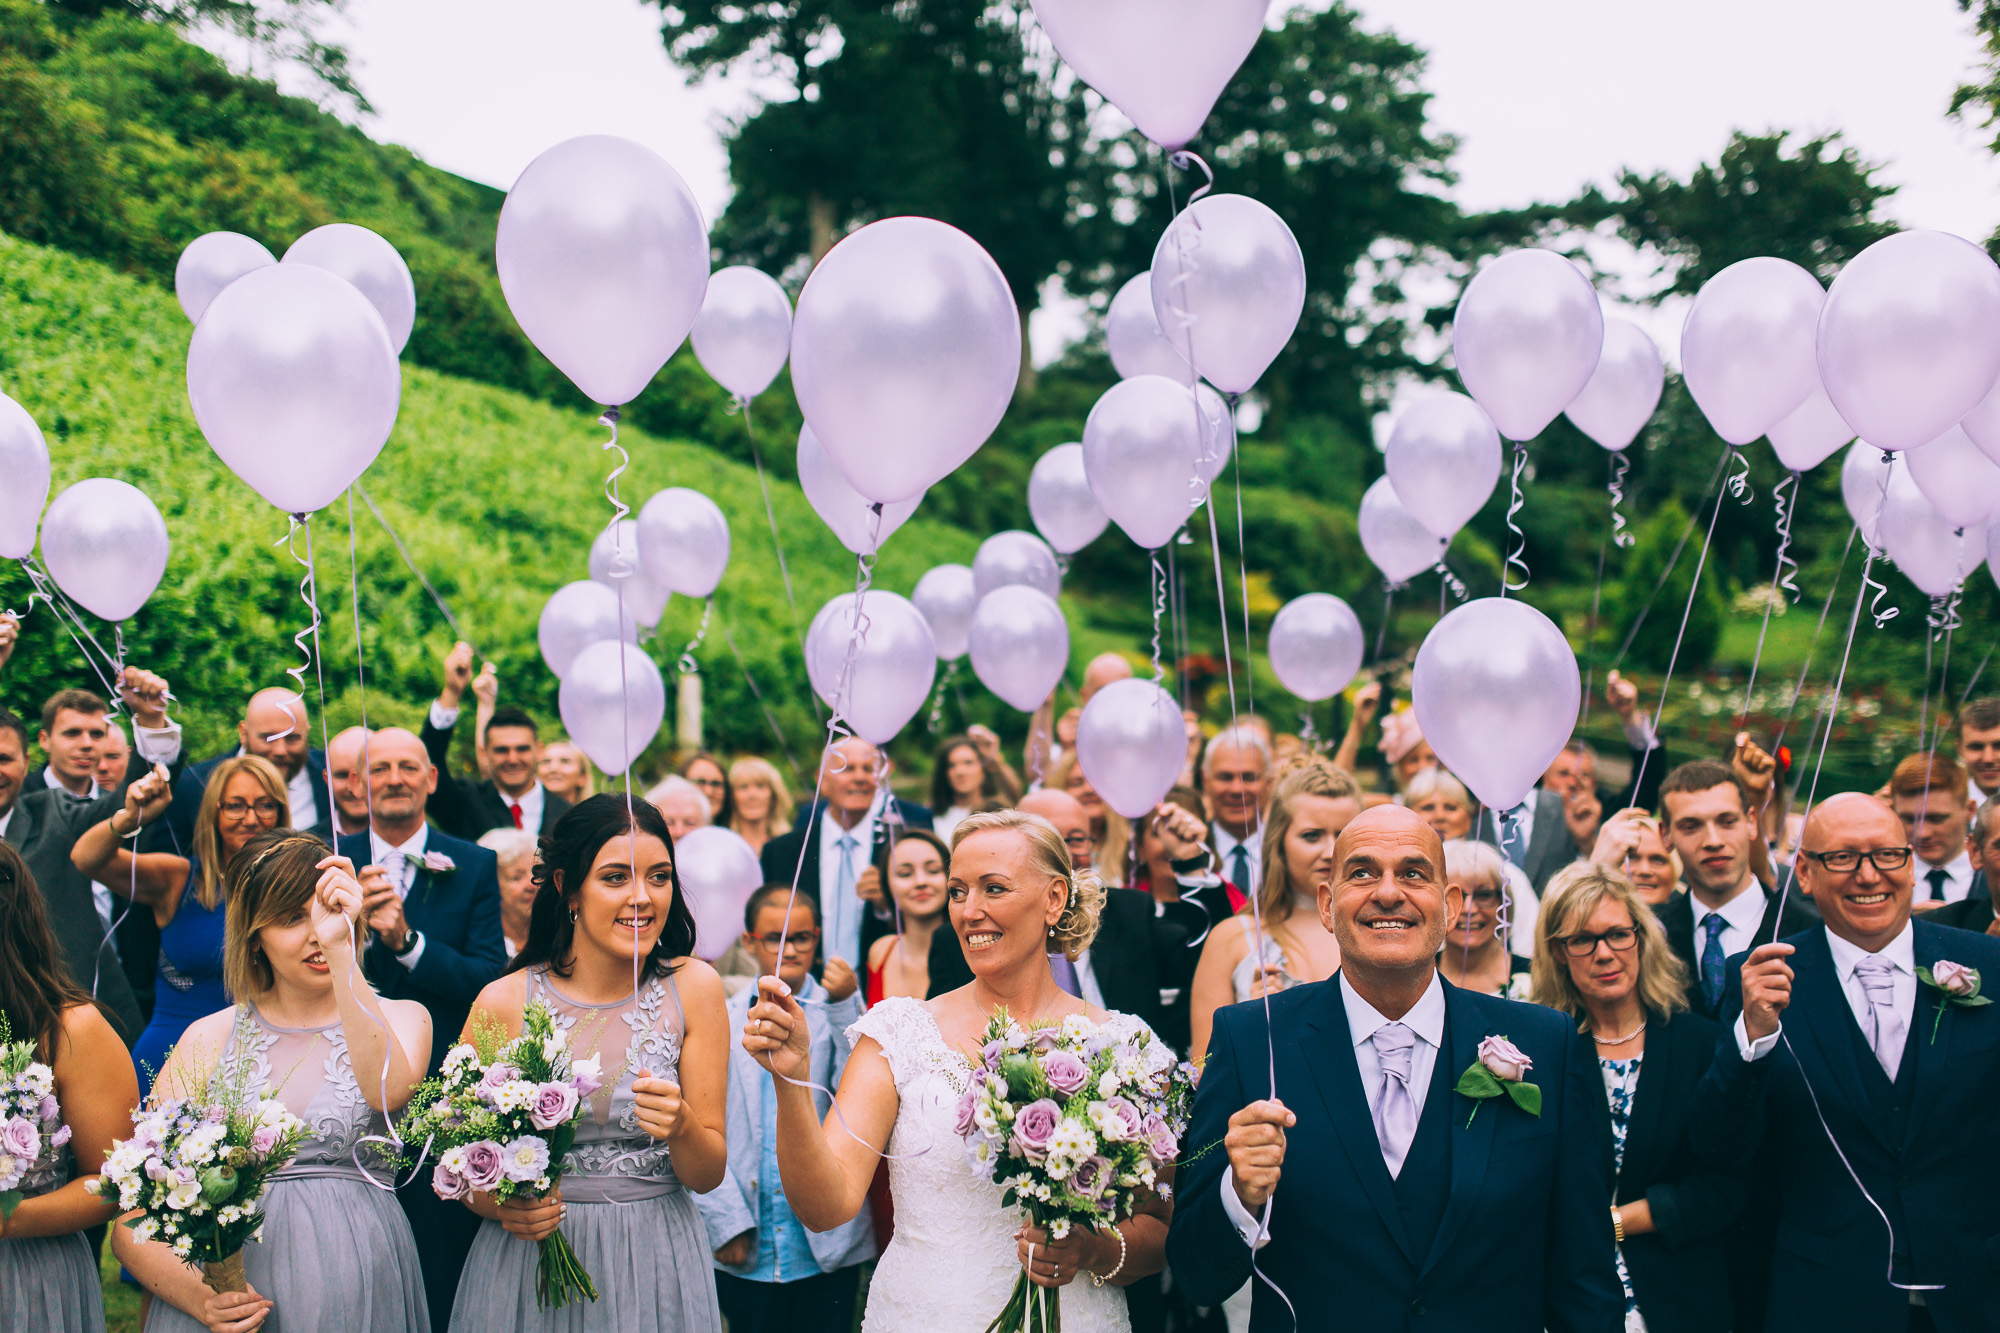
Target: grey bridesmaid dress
632	1225
337	1255
50	1282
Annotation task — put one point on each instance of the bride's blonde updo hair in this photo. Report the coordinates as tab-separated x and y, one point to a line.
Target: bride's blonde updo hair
1047	855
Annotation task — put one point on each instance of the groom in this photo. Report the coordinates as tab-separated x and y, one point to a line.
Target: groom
1390	1210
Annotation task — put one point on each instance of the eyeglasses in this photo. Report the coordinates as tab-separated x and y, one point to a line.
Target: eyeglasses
801	940
1079	842
236	808
1846	861
1484	897
1620	939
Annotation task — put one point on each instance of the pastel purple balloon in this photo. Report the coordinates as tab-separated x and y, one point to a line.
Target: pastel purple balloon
684	541
1229	284
1315	645
1960	481
1132	744
1398	544
603	258
1864	479
1133	336
945	598
1909	339
1982	424
1496	691
1526	337
895	662
841	507
615	562
105	545
744	331
211	262
612	701
906	347
1813	433
1141	446
718	872
1931	551
576	616
1161	62
24	466
1622	392
371	265
1747	349
1019	644
1218	434
1444	455
1060	501
1015	557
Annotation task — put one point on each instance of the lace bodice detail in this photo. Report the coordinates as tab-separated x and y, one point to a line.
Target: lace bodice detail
633	1034
311	1072
953	1261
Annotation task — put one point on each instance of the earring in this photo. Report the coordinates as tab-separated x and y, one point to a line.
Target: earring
572	916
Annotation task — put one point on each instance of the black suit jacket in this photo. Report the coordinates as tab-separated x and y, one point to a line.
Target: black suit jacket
1937	1179
781	858
1782	917
1550	847
465	808
1525	1240
1679	1270
186	808
458	912
1643	790
1973	913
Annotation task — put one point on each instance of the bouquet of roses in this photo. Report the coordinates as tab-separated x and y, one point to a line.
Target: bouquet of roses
196	1168
502	1117
1074	1122
31	1129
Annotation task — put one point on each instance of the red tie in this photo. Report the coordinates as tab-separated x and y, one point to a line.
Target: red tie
516	808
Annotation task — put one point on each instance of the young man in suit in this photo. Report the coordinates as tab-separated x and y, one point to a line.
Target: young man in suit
1979	745
1862	1077
73	728
513	797
432	908
1374	1194
1928	792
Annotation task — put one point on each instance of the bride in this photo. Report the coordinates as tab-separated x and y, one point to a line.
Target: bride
957	1251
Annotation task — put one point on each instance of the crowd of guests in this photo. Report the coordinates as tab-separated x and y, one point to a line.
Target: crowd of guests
340	917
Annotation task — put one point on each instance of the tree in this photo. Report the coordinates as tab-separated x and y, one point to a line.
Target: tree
286	31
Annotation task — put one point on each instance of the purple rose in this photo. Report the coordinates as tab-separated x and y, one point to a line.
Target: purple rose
485	1168
554	1104
1091	1176
60	1137
1034	1126
1045	1039
991	1052
448	1183
48	1110
963	1125
263	1139
495	1075
1955	979
1159	1139
1504	1060
1119	1121
1065	1073
20	1138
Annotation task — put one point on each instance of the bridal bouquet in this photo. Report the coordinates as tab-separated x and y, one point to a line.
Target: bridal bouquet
196	1168
503	1116
31	1128
1074	1123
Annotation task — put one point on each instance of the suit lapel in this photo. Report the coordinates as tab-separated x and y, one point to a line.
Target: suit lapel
1824	1022
1339	1082
1471	1146
1933	1057
1659	1068
22	826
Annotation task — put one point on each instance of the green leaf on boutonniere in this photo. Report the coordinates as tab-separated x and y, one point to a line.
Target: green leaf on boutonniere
1478	1083
1972	999
1527	1096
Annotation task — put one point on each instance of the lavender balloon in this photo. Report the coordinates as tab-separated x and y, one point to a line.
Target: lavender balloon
619	548
895	662
1982	424
718	872
105	545
1624	389
1960	482
1813	433
24	479
1526	337
744	331
1496	691
1133	336
1229	284
612	703
1315	645
211	262
576	616
369	264
1015	557
1161	62
1864	480
905	351
1909	339
1141	446
848	512
1399	545
294	380
1218	435
1933	552
684	541
1019	645
603	258
1445	456
1060	501
1747	347
945	598
1132	744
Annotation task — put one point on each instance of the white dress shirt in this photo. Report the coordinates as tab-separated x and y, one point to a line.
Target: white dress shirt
1901	954
840	906
1426	1019
531	802
1958	883
1742	917
402	863
1523	816
1226	844
56	784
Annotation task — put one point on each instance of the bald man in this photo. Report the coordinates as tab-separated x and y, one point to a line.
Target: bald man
1842	1058
1103	669
277	727
346	778
1377	1195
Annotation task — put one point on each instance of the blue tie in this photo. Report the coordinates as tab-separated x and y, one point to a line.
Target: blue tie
1239	869
1712	959
1513	845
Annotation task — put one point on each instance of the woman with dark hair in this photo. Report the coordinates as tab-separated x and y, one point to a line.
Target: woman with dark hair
608	953
48	1274
706	772
914	869
187	895
967	777
336	1251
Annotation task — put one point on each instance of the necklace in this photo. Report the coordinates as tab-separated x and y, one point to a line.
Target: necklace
1619	1041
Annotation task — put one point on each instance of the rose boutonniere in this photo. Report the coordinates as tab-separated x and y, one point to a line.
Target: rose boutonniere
1501	1069
1955	983
438	863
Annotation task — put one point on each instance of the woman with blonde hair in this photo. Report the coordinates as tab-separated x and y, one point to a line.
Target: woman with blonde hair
1310	805
187	895
1601	957
565	772
1014	896
1111	831
760	803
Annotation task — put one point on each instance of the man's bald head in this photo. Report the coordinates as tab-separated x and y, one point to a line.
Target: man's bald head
1866	906
1391	821
1067	814
1103	669
276	727
1388	904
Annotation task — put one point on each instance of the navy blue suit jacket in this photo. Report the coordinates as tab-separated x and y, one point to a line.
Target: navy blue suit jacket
1938	1178
458	912
1525	1240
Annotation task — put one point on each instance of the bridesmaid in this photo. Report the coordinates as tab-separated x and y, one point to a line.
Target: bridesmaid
48	1271
336	1251
186	894
655	1131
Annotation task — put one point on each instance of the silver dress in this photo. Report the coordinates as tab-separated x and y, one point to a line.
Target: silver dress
50	1282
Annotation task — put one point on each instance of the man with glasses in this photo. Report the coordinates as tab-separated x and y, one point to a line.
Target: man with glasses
1854	1058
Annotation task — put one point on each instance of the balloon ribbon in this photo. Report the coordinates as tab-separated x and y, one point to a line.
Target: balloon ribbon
1779	579
1518	550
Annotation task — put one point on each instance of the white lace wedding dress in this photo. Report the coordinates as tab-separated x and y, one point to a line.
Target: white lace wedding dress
953	1261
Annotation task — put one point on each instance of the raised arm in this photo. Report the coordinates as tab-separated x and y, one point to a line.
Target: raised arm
99	852
390	1048
1366	701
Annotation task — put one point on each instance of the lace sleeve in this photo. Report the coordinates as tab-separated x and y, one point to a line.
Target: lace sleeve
907	1034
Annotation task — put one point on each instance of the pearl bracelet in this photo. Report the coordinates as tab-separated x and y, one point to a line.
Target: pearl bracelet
1117	1268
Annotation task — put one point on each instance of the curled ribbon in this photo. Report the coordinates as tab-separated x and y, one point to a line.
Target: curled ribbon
687	665
1739	484
1620	465
1517	553
1159	610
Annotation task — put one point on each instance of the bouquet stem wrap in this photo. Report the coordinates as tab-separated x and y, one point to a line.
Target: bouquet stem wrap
225	1274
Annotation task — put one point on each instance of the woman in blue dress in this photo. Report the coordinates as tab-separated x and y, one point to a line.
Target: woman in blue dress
245	796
